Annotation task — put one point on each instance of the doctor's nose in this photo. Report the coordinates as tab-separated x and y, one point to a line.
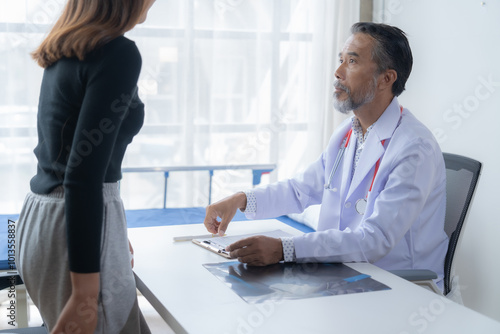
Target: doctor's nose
339	73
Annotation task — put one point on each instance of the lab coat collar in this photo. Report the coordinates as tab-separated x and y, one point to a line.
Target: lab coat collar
385	126
383	129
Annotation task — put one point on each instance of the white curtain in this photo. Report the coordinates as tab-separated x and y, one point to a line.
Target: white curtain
333	23
224	82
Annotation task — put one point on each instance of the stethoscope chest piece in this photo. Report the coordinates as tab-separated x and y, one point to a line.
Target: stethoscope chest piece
361	206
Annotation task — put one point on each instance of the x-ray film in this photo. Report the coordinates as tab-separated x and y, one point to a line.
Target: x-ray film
284	281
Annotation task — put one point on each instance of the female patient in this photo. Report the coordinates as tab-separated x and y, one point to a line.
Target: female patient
73	250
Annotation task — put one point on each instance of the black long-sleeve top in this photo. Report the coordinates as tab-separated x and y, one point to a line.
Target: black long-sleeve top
88	113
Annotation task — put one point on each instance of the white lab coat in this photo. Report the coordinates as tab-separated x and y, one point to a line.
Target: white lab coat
402	227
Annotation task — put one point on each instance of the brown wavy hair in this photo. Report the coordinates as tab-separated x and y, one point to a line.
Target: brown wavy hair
86	25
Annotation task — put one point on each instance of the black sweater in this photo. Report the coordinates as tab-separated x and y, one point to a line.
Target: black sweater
88	113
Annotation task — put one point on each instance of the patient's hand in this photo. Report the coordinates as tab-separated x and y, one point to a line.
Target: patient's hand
131	249
224	209
257	251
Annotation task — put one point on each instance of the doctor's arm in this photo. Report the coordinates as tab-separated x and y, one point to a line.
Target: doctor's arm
276	199
289	196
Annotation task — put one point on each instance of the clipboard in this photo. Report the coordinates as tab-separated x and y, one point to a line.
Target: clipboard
212	246
218	244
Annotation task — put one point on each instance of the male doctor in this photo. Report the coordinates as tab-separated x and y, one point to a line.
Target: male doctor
381	180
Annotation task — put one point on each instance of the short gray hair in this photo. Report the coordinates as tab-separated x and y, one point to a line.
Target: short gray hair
391	50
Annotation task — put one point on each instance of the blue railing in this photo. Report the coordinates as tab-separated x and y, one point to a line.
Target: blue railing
257	171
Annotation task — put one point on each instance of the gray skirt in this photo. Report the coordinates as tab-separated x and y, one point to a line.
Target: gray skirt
42	261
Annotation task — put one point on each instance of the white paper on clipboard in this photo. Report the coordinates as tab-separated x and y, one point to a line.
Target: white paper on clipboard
218	244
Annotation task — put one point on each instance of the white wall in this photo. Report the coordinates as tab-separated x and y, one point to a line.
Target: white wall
456	49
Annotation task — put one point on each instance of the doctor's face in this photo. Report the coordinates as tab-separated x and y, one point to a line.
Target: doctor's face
356	76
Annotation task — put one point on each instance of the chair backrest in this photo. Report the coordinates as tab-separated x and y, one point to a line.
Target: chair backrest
462	174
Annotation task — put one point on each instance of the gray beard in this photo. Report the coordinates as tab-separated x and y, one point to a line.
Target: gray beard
349	104
345	106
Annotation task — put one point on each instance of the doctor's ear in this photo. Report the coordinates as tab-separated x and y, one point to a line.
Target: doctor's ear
387	79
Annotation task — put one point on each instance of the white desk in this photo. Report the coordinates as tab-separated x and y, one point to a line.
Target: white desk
191	300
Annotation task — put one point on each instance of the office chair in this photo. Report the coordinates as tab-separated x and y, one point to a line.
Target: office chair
462	175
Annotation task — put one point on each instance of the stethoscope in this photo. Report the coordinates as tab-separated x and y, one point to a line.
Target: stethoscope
340	156
362	202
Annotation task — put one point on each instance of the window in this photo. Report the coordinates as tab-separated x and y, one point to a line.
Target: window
223	81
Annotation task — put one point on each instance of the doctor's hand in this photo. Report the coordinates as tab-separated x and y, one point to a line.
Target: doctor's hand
224	209
257	251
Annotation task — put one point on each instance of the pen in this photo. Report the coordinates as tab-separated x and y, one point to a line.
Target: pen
220	249
191	237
